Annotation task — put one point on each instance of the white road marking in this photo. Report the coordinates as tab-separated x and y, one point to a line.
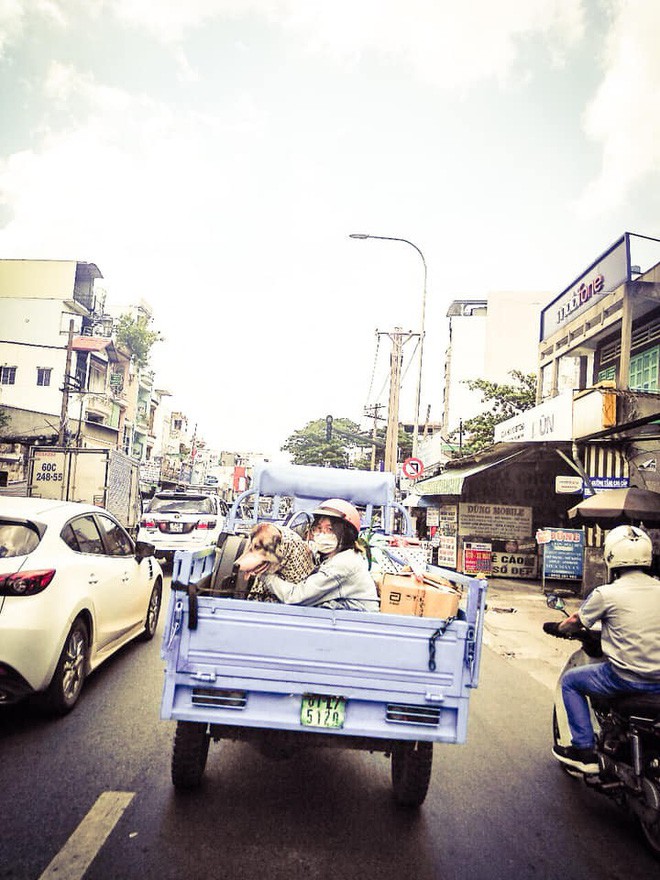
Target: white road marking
81	848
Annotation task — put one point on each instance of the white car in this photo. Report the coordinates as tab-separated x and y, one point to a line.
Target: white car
74	588
182	520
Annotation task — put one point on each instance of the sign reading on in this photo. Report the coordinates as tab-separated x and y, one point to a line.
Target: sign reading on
413	468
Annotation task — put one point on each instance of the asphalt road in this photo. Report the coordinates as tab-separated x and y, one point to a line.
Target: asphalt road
498	807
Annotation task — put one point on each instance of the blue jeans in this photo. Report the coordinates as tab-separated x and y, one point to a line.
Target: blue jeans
595	678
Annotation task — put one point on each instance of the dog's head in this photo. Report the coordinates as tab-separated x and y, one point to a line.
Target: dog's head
276	549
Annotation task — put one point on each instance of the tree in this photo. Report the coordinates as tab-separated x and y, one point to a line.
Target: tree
5	418
507	401
309	445
135	335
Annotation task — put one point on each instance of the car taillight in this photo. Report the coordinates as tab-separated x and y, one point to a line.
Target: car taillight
25	583
148	524
206	524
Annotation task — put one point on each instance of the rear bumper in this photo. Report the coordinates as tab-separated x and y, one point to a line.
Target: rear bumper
13	687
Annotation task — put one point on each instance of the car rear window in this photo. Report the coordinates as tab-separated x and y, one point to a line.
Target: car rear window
182	504
17	539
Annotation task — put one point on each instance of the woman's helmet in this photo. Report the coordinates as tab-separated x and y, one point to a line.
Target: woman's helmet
340	509
627	547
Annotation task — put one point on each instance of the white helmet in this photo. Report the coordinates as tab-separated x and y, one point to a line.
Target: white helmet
627	547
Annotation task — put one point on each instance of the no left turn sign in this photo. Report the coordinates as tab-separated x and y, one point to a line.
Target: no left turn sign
413	468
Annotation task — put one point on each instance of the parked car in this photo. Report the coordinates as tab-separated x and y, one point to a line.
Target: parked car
182	520
74	588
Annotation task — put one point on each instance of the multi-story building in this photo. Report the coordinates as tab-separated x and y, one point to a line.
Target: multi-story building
488	338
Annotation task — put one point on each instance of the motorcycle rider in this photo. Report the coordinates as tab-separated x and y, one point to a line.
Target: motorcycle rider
629	610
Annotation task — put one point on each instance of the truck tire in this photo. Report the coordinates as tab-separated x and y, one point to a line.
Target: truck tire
411	772
191	748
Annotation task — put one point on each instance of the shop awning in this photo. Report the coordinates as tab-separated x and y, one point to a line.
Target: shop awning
452	480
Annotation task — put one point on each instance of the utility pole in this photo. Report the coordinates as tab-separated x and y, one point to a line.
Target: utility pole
372	413
392	435
64	414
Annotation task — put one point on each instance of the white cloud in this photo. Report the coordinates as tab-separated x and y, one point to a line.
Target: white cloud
439	41
622	118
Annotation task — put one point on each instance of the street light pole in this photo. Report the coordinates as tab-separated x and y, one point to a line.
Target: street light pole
362	235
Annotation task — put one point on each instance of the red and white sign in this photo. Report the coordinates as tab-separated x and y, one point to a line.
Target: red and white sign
413	468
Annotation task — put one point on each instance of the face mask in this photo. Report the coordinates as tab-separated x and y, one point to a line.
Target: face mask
325	542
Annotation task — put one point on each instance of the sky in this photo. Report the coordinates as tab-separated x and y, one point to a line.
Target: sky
212	158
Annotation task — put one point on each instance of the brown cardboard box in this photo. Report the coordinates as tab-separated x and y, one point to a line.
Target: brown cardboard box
402	594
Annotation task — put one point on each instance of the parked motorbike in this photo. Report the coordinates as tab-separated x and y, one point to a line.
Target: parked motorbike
627	729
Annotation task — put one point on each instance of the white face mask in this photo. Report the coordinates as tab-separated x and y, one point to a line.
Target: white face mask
325	542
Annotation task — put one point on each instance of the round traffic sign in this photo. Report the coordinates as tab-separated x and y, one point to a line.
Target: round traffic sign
413	468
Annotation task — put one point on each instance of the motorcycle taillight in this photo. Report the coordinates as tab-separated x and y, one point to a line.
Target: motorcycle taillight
25	583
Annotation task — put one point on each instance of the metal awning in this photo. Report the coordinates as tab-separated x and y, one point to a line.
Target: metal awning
451	481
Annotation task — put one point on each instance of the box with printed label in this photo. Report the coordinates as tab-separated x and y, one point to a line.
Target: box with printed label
401	594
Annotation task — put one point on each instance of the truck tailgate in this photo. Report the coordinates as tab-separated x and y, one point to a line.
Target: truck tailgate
251	664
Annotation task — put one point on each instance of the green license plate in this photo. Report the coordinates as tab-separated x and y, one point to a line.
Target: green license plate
321	711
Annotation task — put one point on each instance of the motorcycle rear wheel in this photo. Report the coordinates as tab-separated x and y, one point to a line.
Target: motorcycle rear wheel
651	831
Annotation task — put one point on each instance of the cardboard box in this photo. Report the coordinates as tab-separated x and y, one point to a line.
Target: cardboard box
402	594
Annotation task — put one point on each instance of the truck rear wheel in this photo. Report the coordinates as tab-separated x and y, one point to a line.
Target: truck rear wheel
411	772
191	748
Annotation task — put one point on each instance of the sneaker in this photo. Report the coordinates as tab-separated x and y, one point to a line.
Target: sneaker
584	760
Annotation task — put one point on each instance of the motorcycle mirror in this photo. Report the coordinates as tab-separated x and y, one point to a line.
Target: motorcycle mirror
554	601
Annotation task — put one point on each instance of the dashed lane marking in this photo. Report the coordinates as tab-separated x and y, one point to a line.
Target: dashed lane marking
81	848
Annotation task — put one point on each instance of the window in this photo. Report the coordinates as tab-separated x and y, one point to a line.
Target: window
87	535
17	539
43	375
116	539
644	370
7	375
608	374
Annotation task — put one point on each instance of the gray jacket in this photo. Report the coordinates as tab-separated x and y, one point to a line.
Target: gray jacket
342	581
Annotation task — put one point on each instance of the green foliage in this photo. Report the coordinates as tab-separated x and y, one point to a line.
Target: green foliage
506	402
135	335
5	418
309	446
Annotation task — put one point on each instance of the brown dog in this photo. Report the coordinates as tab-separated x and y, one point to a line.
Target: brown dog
274	549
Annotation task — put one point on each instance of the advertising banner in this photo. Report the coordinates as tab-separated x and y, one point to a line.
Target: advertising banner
476	558
494	520
563	553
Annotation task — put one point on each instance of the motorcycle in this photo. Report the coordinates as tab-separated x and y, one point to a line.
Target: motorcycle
627	731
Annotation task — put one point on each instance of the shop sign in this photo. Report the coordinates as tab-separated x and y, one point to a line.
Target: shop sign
514	565
550	420
563	553
495	520
446	545
476	557
568	485
600	484
604	275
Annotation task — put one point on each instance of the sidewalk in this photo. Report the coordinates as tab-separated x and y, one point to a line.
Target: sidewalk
513	628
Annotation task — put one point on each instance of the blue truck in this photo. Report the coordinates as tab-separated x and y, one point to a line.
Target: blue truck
285	677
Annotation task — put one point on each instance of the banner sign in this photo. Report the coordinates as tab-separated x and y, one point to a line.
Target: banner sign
563	553
476	558
599	484
494	520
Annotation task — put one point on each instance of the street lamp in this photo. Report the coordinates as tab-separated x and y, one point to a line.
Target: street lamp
363	235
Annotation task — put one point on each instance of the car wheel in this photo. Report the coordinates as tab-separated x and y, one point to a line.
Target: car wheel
66	684
153	612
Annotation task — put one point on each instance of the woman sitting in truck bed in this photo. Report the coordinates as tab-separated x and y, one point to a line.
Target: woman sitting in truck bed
342	579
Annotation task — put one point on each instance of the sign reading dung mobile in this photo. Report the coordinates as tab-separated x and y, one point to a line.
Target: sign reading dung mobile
604	275
494	520
563	553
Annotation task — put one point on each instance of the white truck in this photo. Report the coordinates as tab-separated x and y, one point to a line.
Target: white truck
105	477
